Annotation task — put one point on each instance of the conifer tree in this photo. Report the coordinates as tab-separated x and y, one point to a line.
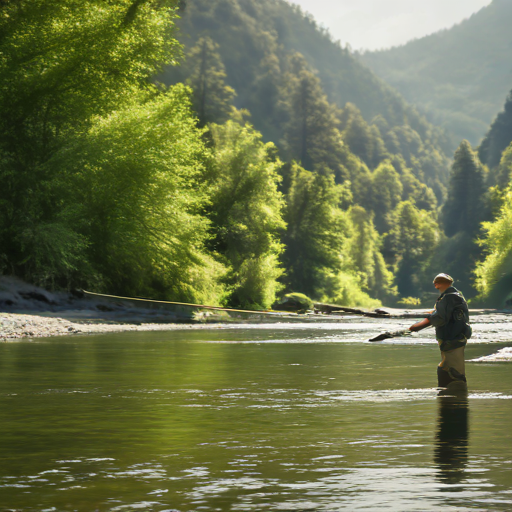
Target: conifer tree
311	134
316	229
463	210
498	137
212	98
505	170
363	140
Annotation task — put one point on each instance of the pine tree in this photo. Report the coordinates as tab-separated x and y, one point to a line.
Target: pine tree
498	137
311	134
319	239
464	210
212	99
364	140
365	253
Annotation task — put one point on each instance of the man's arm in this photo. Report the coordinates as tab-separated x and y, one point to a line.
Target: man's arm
420	325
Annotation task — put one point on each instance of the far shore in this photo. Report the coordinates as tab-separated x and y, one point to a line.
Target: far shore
16	326
27	311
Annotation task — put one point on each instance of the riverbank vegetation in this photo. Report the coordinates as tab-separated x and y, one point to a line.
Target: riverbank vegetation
269	161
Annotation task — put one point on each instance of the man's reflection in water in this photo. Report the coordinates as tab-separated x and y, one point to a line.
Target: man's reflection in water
451	451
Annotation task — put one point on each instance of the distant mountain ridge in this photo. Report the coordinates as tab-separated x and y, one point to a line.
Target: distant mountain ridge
459	77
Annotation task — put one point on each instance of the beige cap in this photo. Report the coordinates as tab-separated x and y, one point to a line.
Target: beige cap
443	278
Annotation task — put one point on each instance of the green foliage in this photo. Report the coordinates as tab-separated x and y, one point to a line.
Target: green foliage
456	76
495	196
317	229
364	140
505	169
456	256
212	98
61	63
413	236
387	193
295	302
498	137
464	207
113	183
311	135
410	301
493	274
257	39
137	175
318	239
343	288
245	210
364	250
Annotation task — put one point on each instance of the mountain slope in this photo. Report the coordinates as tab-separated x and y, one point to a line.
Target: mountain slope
256	40
252	33
458	76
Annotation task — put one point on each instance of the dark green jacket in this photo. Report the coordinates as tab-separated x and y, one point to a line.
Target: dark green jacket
451	319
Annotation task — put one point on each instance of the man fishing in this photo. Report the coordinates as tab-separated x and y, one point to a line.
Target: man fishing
451	320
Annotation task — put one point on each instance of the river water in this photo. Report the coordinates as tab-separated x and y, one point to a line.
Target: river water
255	418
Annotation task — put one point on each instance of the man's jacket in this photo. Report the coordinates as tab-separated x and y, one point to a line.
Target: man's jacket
451	320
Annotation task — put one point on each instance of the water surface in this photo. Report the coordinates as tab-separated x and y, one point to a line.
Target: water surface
275	417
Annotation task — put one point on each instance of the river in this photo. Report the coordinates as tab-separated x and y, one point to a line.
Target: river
290	417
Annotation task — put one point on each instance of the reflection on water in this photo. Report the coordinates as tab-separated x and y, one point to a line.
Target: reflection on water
451	449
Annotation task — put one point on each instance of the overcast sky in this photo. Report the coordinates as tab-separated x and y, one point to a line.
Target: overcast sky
375	24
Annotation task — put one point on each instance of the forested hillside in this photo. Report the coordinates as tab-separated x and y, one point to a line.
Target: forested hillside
262	44
328	114
458	77
269	161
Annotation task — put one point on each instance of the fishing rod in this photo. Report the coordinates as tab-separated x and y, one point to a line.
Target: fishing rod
398	334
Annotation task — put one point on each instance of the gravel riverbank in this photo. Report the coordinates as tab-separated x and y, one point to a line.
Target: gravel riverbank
15	326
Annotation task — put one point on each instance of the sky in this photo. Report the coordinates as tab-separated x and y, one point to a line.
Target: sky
377	24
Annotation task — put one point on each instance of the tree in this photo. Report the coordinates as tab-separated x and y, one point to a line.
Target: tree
363	140
316	229
317	255
413	236
311	134
212	98
505	170
245	211
135	189
422	195
493	274
364	248
61	64
387	193
463	210
498	137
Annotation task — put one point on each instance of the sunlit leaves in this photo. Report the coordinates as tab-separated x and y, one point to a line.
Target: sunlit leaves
246	214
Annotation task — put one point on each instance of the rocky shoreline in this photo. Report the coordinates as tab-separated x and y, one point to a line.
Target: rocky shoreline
27	311
15	326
